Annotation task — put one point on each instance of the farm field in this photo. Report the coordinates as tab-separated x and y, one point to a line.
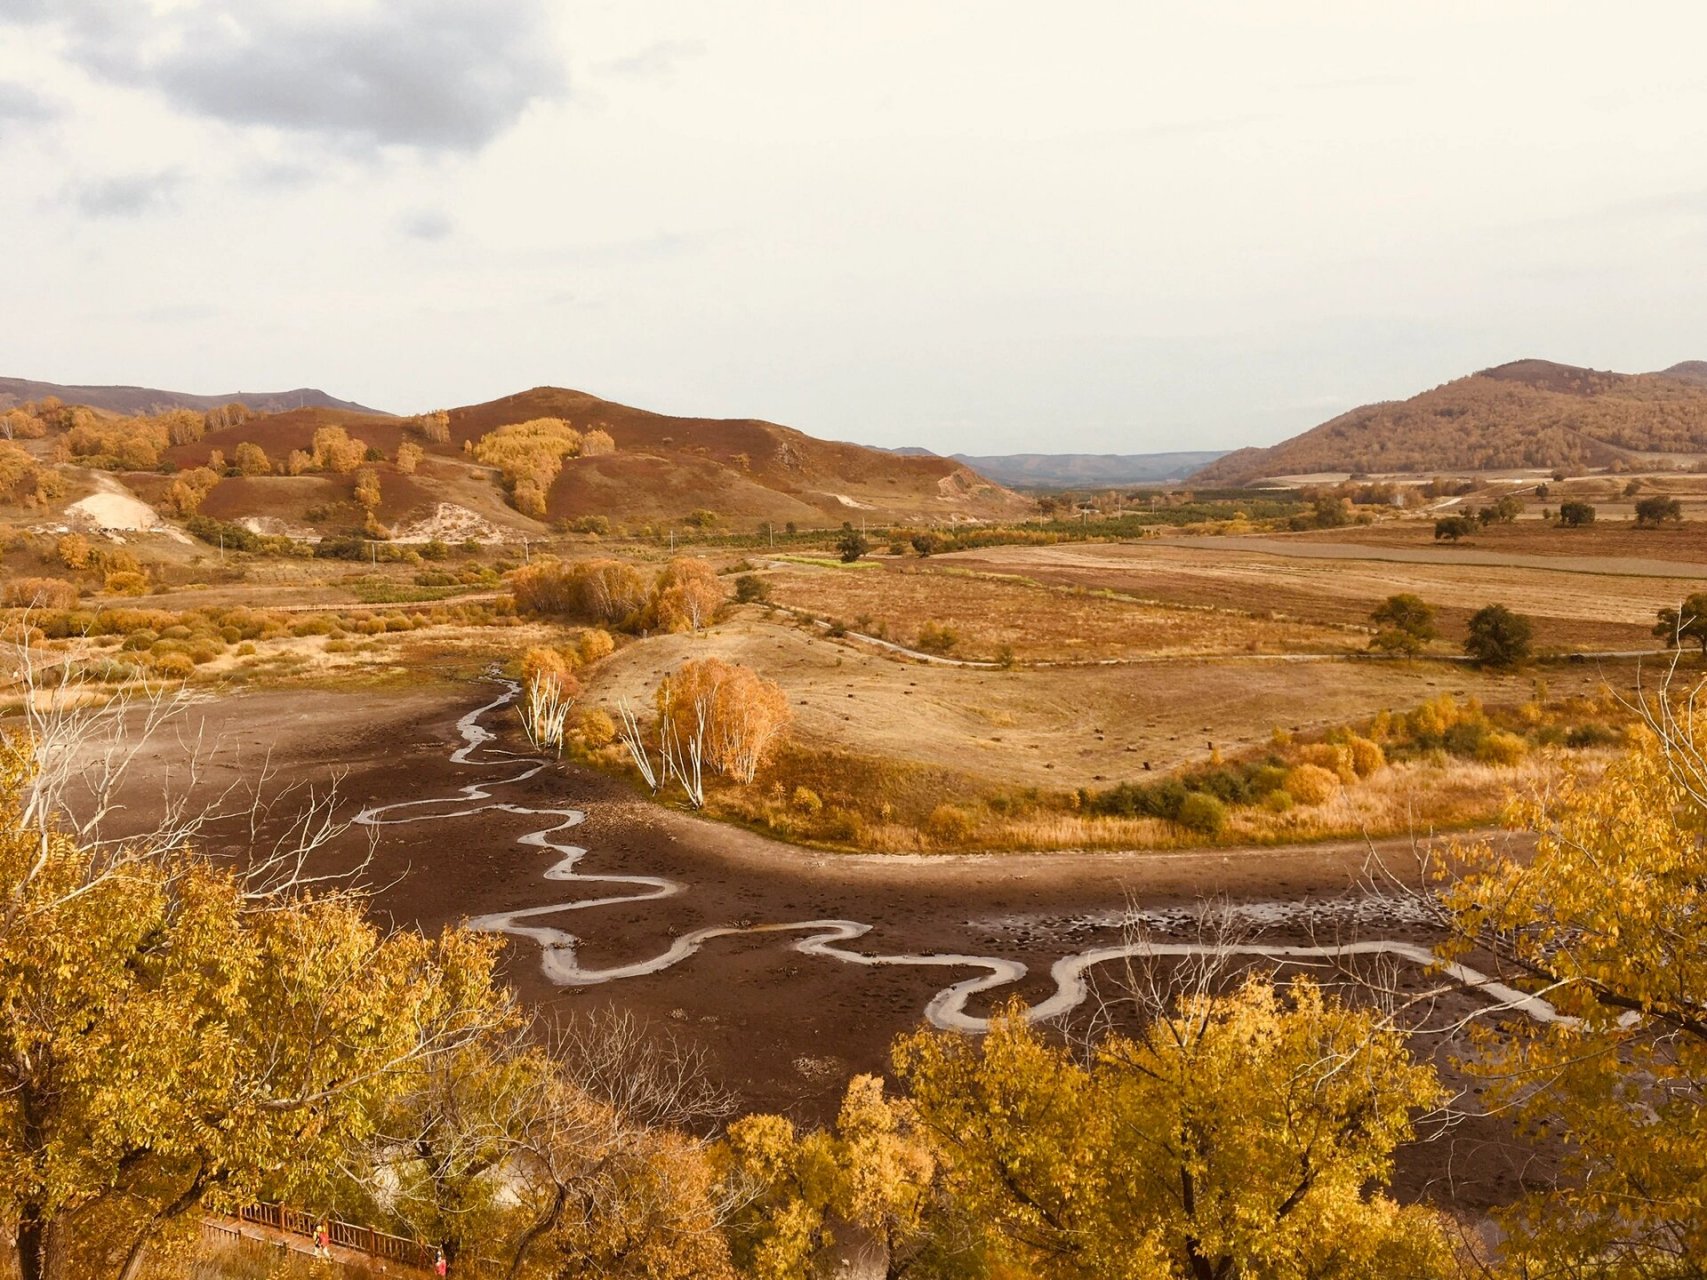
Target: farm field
1589	605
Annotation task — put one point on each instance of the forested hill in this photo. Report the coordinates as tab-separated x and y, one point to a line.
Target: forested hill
1529	413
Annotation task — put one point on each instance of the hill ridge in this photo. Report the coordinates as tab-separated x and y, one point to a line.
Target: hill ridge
1527	413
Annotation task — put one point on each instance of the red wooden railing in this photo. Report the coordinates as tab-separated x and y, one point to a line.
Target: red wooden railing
346	1235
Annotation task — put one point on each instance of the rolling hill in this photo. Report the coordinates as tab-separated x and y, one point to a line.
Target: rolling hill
663	471
1529	413
134	400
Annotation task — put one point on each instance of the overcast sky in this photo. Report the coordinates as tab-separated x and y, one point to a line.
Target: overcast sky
980	225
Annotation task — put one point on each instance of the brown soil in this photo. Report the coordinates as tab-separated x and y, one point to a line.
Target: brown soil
783	1029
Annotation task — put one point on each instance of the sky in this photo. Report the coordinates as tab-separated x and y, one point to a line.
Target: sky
971	225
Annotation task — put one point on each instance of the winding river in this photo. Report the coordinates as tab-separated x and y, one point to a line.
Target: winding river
827	939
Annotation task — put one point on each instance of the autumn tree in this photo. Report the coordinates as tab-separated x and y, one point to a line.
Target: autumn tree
608	592
687	595
735	716
298	462
1685	622
1498	637
434	427
335	451
409	455
597	443
1404	623
176	1034
1239	1135
1605	920
529	455
188	488
367	488
251	460
876	1171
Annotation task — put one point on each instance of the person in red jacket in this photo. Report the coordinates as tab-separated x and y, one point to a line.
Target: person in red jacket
440	1266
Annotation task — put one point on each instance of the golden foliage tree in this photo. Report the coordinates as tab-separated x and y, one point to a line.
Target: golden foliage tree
409	455
596	443
174	1035
1237	1135
434	427
1609	920
25	481
529	456
367	488
185	494
335	450
251	459
876	1171
687	595
608	592
732	715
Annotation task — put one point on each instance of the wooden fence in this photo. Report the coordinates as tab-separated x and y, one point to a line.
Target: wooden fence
346	1235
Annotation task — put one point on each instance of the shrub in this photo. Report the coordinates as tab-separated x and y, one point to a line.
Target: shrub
1203	813
172	666
1366	756
806	800
1575	514
950	824
1658	509
126	584
934	637
39	593
1501	748
1592	735
851	545
1278	801
751	589
595	727
1310	784
1267	779
593	645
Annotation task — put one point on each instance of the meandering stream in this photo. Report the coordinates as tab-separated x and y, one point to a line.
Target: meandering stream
825	938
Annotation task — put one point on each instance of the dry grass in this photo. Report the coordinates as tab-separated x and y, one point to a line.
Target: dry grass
1035	622
1571	610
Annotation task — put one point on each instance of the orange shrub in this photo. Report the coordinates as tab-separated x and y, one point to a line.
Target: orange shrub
1311	784
38	593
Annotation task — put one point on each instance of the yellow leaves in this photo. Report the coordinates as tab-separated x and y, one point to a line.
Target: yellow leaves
1608	915
529	456
1277	1109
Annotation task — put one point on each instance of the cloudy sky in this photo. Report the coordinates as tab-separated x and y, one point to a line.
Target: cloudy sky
968	224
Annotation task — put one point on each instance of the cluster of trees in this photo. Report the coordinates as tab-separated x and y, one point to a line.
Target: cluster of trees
711	715
685	595
24	481
180	1035
529	455
1497	637
1504	511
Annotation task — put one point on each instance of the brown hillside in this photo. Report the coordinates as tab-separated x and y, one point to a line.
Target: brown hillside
664	469
1529	413
740	468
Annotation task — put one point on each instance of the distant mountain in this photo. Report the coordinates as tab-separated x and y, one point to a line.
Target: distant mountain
1528	413
140	400
1086	470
